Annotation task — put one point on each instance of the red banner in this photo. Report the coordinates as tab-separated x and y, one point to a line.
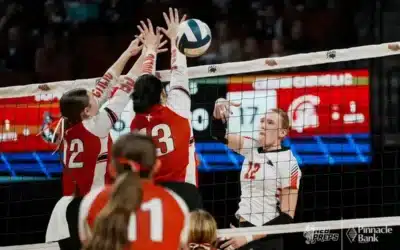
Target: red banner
326	110
22	120
316	102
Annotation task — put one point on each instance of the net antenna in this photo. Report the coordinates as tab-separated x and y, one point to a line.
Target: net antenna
233	68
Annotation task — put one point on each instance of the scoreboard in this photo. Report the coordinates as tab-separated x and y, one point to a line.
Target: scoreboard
329	113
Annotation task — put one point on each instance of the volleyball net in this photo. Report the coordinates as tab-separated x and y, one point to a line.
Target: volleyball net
329	108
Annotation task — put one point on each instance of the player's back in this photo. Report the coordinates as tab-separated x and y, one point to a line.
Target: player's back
84	158
160	223
174	140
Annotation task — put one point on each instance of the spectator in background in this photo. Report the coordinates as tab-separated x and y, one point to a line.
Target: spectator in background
212	56
266	20
51	61
251	49
116	11
297	42
54	12
229	49
11	15
17	54
277	48
222	5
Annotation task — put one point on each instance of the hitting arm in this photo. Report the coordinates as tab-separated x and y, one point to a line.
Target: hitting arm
240	144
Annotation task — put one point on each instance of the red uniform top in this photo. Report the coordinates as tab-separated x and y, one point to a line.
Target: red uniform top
84	145
161	222
172	135
170	127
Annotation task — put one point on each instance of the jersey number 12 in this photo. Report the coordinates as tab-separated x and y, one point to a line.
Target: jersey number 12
74	148
162	133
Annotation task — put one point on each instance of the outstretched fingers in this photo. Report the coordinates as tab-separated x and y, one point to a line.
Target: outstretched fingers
183	18
151	29
234	104
171	15
166	18
144	27
141	39
163	43
176	16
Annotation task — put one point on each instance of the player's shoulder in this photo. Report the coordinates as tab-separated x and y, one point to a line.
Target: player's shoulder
168	196
187	191
176	112
285	153
96	196
78	128
90	200
89	125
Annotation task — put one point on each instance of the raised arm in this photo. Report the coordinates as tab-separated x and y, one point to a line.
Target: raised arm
101	124
151	39
178	95
104	86
240	144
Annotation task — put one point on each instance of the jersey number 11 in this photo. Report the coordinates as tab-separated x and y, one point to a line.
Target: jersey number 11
154	207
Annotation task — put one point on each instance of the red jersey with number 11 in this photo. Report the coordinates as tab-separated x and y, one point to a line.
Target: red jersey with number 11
161	222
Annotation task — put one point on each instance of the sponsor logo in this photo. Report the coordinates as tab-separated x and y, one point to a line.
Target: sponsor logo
212	69
331	54
314	235
364	235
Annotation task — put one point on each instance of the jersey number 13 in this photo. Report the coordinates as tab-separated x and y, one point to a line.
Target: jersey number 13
163	138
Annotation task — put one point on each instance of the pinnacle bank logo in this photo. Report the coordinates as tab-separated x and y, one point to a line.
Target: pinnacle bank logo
367	234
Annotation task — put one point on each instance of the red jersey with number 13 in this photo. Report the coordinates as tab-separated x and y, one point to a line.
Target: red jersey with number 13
173	137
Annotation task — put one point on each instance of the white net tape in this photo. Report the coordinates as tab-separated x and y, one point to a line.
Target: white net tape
264	64
269	230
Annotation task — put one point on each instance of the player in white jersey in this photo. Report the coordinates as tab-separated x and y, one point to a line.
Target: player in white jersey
83	137
269	178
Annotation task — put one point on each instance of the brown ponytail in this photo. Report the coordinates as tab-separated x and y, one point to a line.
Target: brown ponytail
111	225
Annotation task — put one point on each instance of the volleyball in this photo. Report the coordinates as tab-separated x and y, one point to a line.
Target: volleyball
194	38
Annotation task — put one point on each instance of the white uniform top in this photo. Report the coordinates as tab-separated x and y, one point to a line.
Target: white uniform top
262	178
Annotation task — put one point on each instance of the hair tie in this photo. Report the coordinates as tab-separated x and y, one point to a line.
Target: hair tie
135	167
206	246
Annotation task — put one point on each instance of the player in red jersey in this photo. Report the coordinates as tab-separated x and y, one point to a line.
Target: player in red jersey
84	139
133	213
169	122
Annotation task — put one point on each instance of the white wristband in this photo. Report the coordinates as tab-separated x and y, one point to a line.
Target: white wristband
249	238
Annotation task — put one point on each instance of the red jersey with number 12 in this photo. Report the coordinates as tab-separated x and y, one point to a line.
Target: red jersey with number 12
84	145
